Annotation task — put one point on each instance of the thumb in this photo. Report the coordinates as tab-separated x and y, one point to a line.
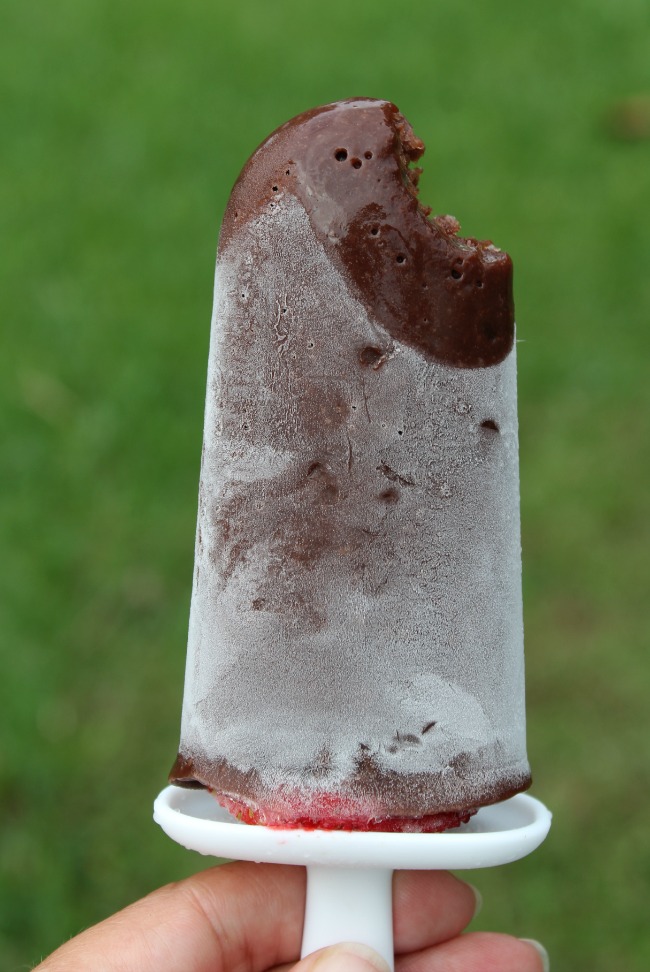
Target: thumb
345	957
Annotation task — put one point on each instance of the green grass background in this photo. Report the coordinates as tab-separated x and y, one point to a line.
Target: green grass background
123	127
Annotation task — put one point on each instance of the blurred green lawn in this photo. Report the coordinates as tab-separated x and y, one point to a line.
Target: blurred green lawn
124	125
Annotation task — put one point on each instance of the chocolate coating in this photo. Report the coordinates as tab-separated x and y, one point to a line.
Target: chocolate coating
398	801
349	164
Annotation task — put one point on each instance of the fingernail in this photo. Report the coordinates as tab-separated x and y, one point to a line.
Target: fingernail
478	899
541	951
350	957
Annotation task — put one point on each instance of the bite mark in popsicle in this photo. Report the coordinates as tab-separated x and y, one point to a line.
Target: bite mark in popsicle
355	655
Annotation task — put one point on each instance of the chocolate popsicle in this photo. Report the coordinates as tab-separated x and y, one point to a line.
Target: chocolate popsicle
355	655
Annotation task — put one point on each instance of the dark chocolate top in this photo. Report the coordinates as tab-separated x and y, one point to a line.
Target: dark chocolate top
350	165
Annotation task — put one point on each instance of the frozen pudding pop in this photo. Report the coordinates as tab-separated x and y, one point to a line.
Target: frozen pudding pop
355	653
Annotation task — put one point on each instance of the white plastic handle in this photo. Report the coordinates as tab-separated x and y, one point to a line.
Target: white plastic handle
349	904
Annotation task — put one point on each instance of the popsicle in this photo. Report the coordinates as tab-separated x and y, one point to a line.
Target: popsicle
355	654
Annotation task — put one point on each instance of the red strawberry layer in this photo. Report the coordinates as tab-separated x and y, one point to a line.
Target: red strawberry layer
324	818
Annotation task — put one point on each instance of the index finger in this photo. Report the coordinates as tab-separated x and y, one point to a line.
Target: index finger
236	917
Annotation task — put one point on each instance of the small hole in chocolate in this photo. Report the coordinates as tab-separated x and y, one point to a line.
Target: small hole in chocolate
389	496
340	155
400	431
367	155
370	356
375	231
356	163
288	172
275	188
490	424
401	258
479	283
456	274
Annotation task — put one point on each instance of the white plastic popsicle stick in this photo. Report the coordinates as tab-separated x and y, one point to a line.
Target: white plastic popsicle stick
349	904
349	873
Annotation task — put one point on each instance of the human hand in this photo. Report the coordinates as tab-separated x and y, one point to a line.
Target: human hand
248	918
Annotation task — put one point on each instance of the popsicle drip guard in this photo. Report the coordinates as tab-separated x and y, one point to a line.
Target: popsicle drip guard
349	893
